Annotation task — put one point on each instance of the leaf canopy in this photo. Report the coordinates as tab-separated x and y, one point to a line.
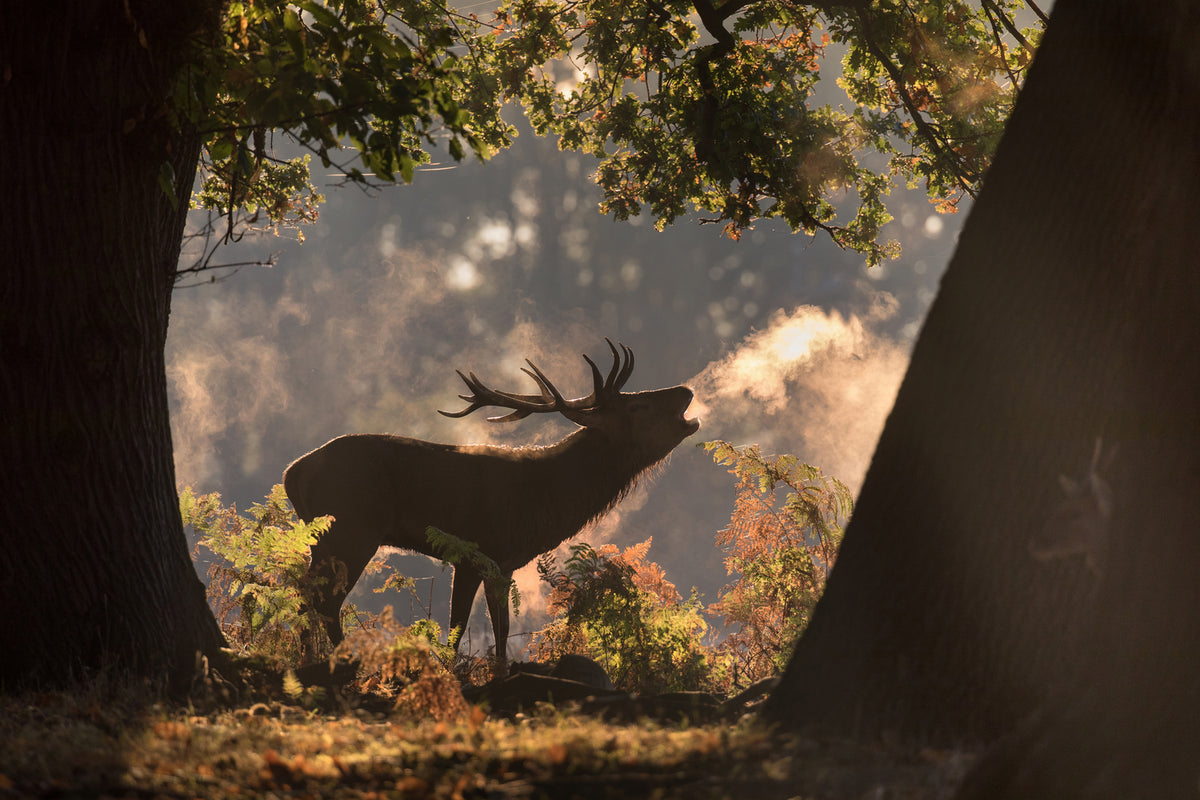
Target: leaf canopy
687	106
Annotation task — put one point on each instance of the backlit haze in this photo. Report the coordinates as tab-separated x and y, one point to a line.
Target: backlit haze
789	342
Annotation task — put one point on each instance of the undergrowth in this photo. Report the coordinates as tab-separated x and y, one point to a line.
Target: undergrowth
614	606
405	730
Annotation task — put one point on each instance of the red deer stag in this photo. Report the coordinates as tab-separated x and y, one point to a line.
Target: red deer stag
515	503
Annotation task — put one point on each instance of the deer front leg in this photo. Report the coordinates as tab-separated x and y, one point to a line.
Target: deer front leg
496	592
462	597
336	566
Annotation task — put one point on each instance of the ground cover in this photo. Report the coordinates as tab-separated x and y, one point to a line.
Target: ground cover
93	744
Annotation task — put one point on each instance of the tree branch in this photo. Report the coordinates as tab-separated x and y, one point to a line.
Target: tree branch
179	273
992	23
940	151
714	19
990	7
1041	14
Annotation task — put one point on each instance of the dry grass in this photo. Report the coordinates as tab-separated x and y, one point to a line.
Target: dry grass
111	744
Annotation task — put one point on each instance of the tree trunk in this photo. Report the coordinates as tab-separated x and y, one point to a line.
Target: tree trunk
94	570
1070	313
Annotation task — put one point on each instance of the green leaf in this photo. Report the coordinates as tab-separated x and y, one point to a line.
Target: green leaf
320	13
733	132
245	164
221	148
407	166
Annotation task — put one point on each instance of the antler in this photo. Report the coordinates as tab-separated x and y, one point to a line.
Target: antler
550	399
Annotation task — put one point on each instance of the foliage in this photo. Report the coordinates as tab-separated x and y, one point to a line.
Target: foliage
620	610
617	607
691	103
780	550
254	587
453	550
685	105
407	663
781	543
282	191
325	75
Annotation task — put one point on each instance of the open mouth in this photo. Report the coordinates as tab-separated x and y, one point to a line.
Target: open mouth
691	424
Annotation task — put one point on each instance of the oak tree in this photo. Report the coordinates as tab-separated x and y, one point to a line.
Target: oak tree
1021	565
108	110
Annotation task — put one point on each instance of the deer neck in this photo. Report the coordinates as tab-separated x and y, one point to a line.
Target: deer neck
586	473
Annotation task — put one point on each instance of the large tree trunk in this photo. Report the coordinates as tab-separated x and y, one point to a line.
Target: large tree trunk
1070	312
94	568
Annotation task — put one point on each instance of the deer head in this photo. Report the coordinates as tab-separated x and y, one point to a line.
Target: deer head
651	421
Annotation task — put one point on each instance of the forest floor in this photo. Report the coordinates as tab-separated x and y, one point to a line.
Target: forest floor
107	745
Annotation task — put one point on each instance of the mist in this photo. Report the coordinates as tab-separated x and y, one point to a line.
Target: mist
812	382
788	342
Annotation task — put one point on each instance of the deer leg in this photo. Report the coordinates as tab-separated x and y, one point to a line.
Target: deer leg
462	597
496	592
336	567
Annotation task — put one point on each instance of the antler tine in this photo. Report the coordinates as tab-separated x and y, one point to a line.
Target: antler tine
597	379
520	413
626	370
616	367
549	391
621	369
475	403
481	396
562	404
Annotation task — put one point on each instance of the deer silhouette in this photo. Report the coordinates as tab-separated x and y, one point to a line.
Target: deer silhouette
515	503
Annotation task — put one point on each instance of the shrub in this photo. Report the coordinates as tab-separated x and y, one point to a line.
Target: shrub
614	606
407	663
254	585
620	610
780	549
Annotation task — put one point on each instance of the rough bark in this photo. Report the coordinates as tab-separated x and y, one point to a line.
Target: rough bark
1069	313
94	568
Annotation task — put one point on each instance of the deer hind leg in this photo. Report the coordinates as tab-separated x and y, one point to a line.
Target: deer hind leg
462	597
496	592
